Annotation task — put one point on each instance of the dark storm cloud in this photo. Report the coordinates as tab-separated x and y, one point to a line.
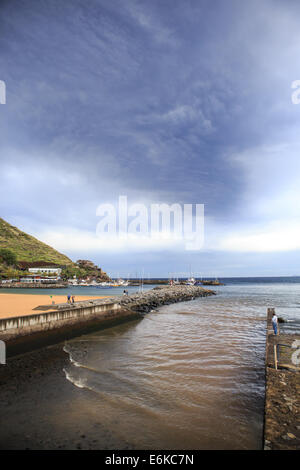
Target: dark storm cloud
163	101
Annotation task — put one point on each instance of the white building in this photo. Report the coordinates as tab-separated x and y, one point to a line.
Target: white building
38	279
45	270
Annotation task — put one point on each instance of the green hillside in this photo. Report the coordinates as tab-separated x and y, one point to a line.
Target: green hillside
28	248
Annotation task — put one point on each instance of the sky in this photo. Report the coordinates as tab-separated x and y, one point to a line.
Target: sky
163	102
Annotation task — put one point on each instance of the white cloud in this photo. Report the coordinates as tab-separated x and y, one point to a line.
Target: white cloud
187	114
275	237
270	220
270	176
152	23
80	241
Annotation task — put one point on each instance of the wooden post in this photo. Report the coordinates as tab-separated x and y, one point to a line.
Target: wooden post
275	356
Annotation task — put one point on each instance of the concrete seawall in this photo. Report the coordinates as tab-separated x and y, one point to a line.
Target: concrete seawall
62	322
282	398
25	333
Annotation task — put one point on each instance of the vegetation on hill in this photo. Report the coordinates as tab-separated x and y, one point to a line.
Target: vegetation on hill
17	246
7	257
84	269
27	248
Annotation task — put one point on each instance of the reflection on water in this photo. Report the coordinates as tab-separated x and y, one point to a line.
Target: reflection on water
188	376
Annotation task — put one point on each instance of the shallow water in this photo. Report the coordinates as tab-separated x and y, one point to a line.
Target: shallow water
190	375
76	290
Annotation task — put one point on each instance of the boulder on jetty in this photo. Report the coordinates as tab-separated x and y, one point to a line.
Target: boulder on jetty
144	302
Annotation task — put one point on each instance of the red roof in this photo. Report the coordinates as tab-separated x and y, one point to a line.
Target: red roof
37	264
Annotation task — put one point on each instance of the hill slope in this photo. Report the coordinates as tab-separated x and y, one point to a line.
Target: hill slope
28	248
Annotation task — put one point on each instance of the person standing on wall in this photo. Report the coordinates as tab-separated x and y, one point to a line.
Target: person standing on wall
275	323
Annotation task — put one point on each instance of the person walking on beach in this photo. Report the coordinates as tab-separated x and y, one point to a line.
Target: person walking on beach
69	299
275	323
73	299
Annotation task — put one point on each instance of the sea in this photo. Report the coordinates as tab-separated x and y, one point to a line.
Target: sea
186	376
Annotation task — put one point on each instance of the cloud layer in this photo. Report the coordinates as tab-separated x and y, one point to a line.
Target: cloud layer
160	101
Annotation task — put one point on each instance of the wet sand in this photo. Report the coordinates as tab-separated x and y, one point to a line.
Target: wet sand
40	409
13	305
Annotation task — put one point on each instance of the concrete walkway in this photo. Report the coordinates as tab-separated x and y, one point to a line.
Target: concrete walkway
282	404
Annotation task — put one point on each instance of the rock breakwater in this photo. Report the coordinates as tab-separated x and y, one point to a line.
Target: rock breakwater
144	302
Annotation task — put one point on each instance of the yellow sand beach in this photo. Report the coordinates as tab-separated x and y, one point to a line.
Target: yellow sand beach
13	305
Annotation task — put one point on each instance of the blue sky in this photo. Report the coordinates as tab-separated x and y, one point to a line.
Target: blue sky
162	101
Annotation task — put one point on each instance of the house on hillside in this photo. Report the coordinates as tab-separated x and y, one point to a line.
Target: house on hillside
30	279
46	270
41	267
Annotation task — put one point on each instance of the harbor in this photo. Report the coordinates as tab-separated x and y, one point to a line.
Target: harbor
149	228
52	323
190	372
178	353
